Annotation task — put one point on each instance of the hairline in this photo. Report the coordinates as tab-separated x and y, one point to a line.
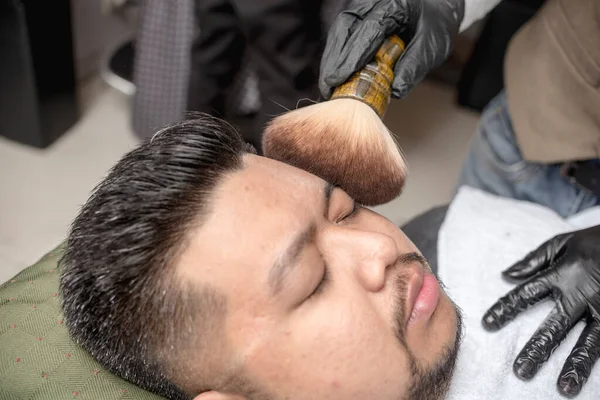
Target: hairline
186	284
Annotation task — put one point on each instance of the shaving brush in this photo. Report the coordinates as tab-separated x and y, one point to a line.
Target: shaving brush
344	140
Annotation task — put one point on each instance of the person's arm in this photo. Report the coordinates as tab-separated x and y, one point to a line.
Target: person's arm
476	10
567	270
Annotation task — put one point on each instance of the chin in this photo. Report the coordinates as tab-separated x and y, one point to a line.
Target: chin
427	340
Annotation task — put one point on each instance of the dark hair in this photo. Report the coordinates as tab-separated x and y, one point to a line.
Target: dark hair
121	299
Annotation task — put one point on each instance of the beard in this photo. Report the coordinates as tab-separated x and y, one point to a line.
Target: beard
433	383
427	383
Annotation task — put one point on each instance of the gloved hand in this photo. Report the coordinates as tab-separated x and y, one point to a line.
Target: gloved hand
356	35
566	269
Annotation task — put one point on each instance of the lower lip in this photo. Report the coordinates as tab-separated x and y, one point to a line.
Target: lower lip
427	299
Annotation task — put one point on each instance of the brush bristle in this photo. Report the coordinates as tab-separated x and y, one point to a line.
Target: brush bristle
344	142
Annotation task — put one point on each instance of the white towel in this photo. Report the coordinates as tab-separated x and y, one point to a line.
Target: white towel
481	236
476	10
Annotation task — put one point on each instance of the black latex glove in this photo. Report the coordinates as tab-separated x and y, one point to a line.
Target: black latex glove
566	269
356	35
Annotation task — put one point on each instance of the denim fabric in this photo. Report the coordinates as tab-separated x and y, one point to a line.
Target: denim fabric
494	164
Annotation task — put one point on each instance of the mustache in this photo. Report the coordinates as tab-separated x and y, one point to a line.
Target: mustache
408	258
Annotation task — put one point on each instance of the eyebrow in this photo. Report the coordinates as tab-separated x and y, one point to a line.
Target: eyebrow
288	259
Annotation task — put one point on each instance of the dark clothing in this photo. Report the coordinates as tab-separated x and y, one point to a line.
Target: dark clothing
284	40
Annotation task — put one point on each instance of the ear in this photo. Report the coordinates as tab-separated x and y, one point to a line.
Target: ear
212	395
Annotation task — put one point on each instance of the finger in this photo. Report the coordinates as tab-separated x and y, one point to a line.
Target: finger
539	259
541	345
378	22
580	362
411	68
517	300
428	50
332	72
337	38
360	48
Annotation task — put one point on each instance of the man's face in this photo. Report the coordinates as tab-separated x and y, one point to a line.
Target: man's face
325	299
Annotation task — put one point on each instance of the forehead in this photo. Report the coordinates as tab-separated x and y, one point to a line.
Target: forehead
263	183
254	213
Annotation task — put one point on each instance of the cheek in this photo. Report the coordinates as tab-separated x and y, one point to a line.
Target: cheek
340	350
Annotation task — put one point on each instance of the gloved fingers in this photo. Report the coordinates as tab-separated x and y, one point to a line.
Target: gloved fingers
412	66
378	23
338	36
580	362
427	50
359	50
354	40
538	259
541	345
517	300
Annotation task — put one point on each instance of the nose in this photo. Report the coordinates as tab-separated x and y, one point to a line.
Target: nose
366	254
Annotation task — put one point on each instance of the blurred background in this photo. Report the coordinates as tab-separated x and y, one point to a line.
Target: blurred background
83	81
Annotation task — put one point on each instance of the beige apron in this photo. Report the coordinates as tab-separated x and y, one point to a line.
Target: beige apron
552	79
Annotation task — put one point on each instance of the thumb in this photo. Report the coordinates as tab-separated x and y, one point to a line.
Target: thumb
538	259
412	67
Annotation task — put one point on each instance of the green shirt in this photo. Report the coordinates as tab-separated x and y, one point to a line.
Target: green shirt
38	359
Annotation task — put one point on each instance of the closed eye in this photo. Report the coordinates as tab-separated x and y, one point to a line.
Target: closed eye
355	209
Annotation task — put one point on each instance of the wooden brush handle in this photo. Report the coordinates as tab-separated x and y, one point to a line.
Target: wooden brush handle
373	84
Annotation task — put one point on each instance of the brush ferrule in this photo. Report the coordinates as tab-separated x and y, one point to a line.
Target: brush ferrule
373	84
